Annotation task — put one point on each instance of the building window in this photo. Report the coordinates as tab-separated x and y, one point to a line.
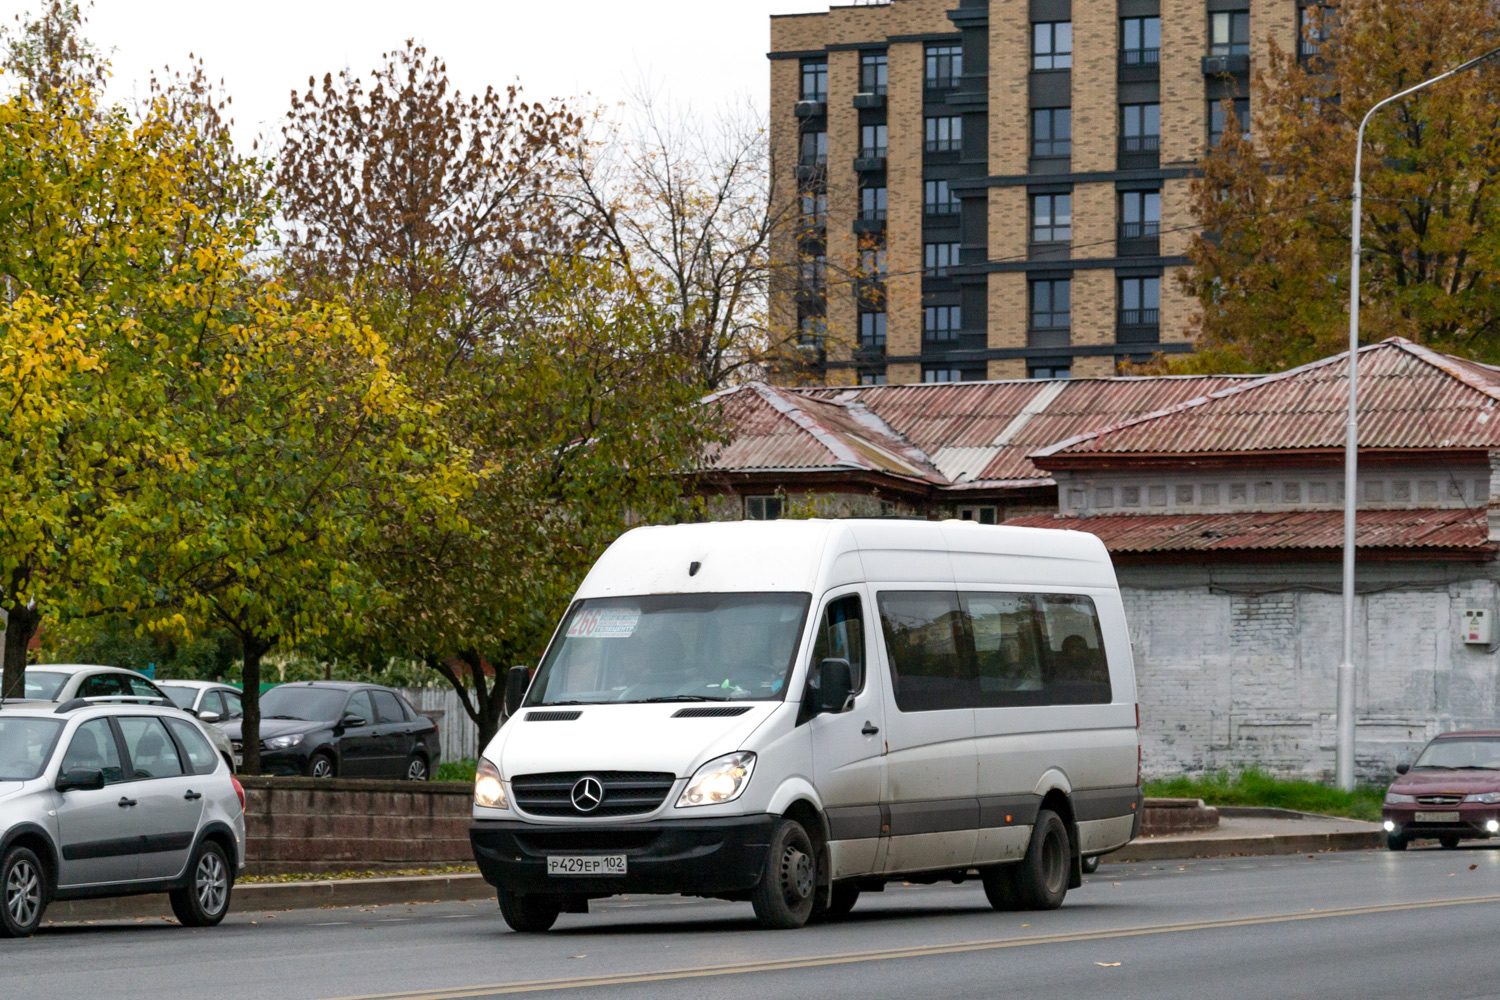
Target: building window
762	508
947	373
941	323
872	139
1049	371
811	330
945	135
1312	29
815	81
1218	119
1052	132
1140	214
814	271
872	378
872	331
814	208
938	257
983	515
872	203
872	264
1140	301
1051	218
814	149
1140	41
1052	304
938	199
1140	128
872	73
945	64
1052	45
1229	33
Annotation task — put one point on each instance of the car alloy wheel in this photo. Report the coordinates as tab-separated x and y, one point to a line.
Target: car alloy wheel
322	767
416	769
23	893
211	883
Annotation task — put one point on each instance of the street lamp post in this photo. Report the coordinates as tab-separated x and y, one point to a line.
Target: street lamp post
1344	752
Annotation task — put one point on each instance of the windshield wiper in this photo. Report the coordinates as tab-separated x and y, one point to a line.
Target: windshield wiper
678	697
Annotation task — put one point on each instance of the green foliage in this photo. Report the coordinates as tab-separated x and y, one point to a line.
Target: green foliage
457	770
1257	788
116	640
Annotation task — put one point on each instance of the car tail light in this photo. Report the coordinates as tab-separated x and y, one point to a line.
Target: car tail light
239	790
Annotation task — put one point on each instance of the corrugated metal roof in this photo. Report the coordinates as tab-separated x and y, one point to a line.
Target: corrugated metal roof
1319	529
1409	398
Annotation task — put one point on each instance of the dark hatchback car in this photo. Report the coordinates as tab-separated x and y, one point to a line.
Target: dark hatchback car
1450	793
328	729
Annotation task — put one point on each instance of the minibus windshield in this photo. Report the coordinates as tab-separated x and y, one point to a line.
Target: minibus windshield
673	647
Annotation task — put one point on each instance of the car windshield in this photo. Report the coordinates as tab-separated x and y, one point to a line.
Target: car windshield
25	745
182	697
1462	754
43	685
305	703
673	647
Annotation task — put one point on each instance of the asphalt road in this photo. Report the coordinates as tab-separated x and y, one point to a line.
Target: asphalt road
1362	925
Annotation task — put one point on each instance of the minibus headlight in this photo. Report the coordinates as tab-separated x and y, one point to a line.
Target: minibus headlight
720	780
488	791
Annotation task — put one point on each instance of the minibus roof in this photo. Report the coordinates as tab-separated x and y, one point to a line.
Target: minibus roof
813	555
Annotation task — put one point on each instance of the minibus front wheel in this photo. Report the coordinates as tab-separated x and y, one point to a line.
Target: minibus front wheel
783	899
528	913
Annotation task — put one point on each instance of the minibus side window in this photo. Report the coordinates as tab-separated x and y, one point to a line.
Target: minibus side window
931	659
841	634
1074	666
1007	649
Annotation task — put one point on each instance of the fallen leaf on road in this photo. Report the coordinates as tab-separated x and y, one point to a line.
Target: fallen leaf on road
1472	867
1118	883
578	956
1025	925
1107	965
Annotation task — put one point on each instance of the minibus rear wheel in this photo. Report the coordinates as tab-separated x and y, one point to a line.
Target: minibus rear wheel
529	913
783	899
1040	880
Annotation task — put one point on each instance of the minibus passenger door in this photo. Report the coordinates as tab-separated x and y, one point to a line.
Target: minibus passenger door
848	747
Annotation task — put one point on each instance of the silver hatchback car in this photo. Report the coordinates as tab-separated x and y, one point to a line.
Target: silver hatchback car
114	800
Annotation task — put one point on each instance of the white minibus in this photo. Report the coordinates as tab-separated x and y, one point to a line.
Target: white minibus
796	712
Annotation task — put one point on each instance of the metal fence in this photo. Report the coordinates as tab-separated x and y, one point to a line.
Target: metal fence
459	734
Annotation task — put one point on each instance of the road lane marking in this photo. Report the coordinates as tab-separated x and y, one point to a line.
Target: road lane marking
923	951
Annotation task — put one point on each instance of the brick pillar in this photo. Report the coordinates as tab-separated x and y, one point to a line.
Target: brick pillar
1010	60
1095	108
904	214
1184	43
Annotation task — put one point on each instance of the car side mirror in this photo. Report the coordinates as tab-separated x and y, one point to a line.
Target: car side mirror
1402	768
83	779
835	685
209	716
516	683
352	721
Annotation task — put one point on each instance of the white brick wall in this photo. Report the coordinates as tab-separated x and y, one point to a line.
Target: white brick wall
1237	665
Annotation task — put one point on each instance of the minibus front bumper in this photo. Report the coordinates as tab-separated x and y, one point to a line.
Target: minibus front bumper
696	856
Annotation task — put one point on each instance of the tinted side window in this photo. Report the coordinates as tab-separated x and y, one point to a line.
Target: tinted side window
1072	651
1007	649
93	746
103	686
841	634
406	706
212	703
143	689
202	756
152	752
232	704
931	661
387	707
360	705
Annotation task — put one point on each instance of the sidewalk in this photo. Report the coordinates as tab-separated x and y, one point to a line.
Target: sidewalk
1248	831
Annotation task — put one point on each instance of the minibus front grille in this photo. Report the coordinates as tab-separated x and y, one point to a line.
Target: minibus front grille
626	793
725	712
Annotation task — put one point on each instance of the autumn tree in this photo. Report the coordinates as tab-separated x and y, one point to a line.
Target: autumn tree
1271	265
438	215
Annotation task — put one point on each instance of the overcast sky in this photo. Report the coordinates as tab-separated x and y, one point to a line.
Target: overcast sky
706	52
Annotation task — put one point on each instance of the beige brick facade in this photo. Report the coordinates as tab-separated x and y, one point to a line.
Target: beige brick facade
1098	82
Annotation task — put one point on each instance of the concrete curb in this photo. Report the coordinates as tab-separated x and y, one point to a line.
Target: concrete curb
1232	847
258	896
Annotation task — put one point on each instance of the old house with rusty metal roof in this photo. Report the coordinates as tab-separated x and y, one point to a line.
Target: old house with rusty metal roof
1221	500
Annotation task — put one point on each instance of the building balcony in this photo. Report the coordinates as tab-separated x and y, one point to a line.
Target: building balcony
811	108
870	223
1138	65
868	100
1139	239
812	169
1232	65
1138	326
1049	337
870	160
1139	152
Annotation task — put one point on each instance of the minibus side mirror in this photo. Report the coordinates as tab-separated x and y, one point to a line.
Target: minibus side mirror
835	685
1402	768
516	683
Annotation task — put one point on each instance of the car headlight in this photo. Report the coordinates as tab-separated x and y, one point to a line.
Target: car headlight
1396	799
1488	798
488	789
281	742
720	780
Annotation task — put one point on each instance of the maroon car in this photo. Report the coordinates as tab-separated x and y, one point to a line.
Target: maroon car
1451	792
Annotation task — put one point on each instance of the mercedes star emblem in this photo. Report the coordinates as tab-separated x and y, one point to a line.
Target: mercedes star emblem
587	793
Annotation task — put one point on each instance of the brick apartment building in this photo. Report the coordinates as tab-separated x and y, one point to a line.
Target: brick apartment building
1000	188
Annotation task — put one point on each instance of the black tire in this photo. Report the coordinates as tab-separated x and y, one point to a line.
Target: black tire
24	892
1449	841
1000	887
1090	865
321	765
205	900
416	768
1396	841
784	897
1041	879
841	899
529	913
